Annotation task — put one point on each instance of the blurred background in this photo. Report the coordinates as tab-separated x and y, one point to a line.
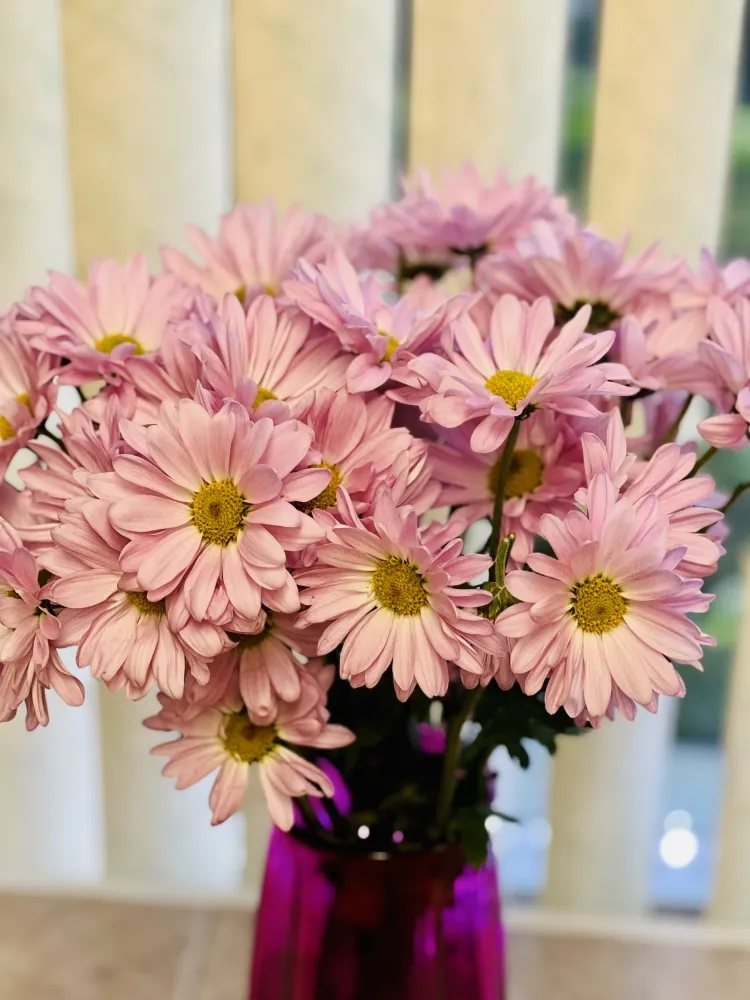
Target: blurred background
121	122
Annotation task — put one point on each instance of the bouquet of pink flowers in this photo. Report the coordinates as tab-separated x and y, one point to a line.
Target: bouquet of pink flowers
336	494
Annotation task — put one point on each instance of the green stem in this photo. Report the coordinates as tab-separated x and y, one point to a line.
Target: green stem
736	494
502	484
705	457
674	429
452	758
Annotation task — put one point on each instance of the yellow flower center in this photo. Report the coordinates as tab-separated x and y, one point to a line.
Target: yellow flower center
25	400
151	609
7	431
262	395
245	741
240	293
327	497
110	341
398	586
510	385
218	510
598	605
391	346
524	476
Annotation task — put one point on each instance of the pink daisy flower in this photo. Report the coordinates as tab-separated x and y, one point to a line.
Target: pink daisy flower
392	600
657	357
692	296
268	357
208	503
222	738
29	638
385	337
26	395
517	368
668	476
117	629
354	439
254	252
726	355
461	214
58	475
606	613
583	268
122	313
545	472
271	665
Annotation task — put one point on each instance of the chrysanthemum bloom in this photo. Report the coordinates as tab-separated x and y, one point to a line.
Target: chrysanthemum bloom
668	476
608	608
354	439
268	355
658	357
254	252
517	368
58	475
392	600
208	501
271	664
26	396
545	472
223	738
582	268
726	355
696	289
29	638
121	313
385	337
116	627
461	214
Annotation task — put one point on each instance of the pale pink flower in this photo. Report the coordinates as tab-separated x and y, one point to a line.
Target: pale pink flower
254	252
384	336
545	472
693	294
29	638
392	600
409	480
657	357
26	394
271	663
57	476
461	214
727	356
208	503
516	368
98	327
583	268
354	439
271	360
223	738
606	613
116	628
668	476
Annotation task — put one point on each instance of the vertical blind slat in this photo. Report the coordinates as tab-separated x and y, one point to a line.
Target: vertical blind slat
664	102
731	901
148	93
149	118
486	85
314	103
665	99
34	198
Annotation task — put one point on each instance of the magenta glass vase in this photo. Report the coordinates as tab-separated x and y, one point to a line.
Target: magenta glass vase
344	926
